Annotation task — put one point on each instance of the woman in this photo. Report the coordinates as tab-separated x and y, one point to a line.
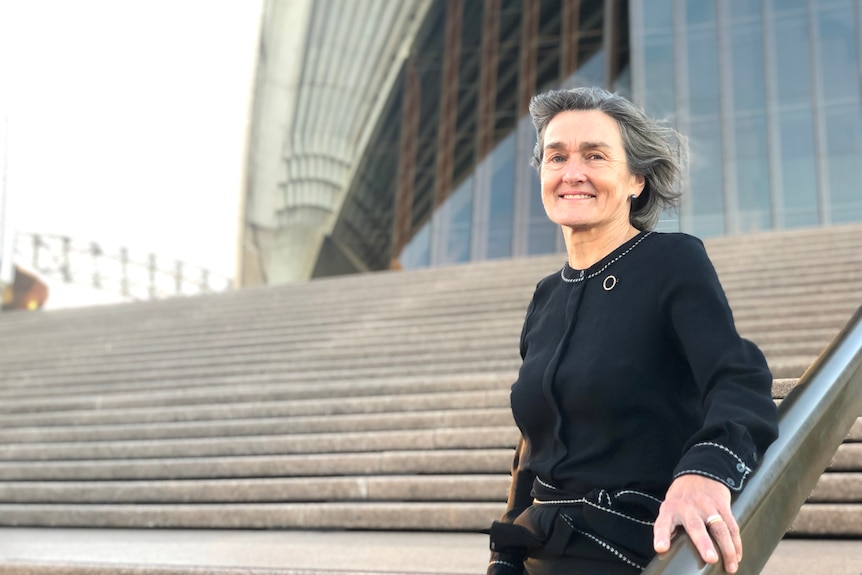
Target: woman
640	407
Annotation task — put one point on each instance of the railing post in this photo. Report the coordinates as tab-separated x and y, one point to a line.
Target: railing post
813	420
66	269
118	271
124	272
152	274
36	244
178	277
96	251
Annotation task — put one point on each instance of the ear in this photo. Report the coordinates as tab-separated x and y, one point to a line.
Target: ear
640	183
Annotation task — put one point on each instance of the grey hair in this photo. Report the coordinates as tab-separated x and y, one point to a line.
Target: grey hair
653	149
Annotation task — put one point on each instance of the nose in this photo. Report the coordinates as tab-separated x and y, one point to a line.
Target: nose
573	171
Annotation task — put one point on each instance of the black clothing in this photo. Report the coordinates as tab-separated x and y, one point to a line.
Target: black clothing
576	566
633	374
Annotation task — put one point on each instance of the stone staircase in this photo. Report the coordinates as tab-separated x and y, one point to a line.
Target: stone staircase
373	402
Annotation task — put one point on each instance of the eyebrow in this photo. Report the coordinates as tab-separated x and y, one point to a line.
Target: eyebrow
583	146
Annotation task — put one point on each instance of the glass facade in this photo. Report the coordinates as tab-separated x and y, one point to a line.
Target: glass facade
499	212
769	94
767	91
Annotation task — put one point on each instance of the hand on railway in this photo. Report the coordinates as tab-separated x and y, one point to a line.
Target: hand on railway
701	506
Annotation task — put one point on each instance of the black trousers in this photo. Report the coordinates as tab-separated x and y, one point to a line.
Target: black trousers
576	566
600	533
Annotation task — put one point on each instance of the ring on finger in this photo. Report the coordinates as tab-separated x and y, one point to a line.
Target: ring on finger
713	519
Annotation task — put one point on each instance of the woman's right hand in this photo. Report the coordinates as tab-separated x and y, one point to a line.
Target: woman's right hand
701	506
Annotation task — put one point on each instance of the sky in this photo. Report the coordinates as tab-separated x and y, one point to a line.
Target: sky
126	122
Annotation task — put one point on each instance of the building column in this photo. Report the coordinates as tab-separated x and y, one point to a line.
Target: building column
488	77
446	128
403	221
683	110
727	125
821	153
531	12
523	147
485	127
858	11
570	18
275	96
773	125
611	42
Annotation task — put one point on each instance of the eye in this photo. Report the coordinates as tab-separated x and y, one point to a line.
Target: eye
556	159
594	156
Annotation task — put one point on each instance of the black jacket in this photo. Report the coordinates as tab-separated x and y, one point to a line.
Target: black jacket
633	374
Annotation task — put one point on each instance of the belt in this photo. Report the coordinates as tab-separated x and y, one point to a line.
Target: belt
622	519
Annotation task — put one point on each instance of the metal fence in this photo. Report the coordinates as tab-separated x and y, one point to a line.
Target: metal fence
132	275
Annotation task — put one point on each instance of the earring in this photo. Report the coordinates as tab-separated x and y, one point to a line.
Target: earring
634	197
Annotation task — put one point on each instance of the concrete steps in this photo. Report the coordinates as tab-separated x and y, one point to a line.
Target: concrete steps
368	402
286	552
835	487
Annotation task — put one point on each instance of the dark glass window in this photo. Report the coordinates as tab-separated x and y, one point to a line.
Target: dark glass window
790	5
506	112
793	64
743	9
548	45
660	101
838	57
797	168
592	72
457	215
839	71
752	173
702	53
417	253
543	232
700	12
844	129
668	221
502	196
657	15
706	192
429	69
591	56
746	45
751	152
656	30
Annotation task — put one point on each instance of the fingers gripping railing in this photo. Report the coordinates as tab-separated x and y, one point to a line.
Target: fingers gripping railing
813	419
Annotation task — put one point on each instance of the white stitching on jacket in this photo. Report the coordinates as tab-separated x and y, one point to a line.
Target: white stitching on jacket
711	476
548	485
725	449
602	543
559	501
604	267
647	495
623	515
591	504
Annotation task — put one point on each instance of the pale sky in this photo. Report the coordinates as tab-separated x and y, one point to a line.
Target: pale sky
127	121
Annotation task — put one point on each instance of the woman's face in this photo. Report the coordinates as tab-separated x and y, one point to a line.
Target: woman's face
586	183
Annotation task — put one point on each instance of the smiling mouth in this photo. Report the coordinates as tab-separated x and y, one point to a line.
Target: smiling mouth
577	196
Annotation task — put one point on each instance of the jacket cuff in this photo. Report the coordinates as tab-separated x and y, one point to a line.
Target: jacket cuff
505	564
716	462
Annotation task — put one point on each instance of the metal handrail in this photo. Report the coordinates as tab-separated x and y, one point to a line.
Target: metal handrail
115	270
813	420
